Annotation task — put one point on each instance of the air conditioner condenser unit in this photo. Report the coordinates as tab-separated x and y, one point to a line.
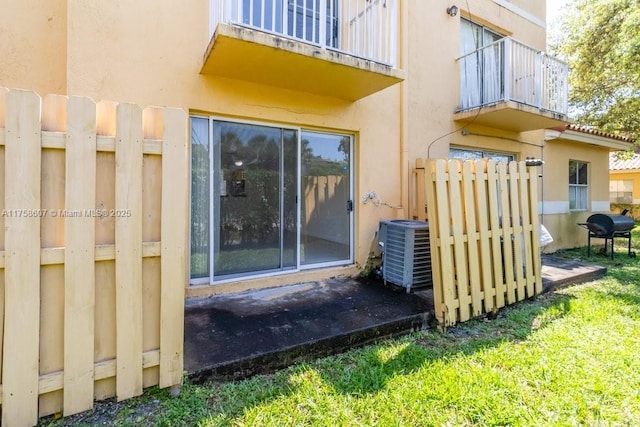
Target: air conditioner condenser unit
406	253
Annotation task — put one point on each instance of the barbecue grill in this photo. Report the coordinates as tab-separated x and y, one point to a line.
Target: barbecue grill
609	227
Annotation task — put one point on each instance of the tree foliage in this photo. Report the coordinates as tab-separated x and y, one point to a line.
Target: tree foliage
600	39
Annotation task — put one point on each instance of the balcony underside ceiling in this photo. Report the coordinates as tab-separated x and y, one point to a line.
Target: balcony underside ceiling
244	54
511	115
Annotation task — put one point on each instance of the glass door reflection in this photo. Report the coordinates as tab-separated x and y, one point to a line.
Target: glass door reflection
325	233
254	199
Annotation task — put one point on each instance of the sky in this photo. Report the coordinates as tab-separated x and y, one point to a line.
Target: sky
553	8
553	12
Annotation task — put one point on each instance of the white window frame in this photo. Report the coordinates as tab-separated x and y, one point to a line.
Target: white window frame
579	189
486	34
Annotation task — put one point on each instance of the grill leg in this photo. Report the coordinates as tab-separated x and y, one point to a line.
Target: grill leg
589	244
611	247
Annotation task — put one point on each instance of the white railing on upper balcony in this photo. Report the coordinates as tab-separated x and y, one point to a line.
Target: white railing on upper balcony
366	29
507	70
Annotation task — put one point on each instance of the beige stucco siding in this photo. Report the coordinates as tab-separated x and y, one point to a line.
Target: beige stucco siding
33	40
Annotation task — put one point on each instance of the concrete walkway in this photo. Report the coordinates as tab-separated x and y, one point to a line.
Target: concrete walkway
559	272
238	335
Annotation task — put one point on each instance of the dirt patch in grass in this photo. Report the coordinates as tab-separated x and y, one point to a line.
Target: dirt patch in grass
110	413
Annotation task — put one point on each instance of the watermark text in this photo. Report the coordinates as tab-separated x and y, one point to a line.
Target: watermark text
65	213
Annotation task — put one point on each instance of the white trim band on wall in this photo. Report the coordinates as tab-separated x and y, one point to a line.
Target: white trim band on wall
600	206
553	208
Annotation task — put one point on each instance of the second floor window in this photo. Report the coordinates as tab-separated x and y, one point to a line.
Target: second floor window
481	65
578	185
474	36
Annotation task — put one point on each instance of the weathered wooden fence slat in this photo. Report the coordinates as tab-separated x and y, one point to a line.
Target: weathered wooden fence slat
459	252
482	214
93	251
484	231
499	281
20	371
508	250
175	179
473	238
3	103
516	225
79	256
129	251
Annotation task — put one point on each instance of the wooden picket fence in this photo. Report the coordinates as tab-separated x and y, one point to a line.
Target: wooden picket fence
484	233
93	238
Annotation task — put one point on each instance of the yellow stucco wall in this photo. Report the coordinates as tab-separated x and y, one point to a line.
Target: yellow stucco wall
555	214
150	52
433	77
33	38
519	19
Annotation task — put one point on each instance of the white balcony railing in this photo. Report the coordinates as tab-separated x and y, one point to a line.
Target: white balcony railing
507	70
363	28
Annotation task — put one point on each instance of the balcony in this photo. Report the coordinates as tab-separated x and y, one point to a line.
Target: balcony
508	85
345	49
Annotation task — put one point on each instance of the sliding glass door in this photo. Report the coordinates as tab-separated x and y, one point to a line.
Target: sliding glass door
267	199
254	195
326	198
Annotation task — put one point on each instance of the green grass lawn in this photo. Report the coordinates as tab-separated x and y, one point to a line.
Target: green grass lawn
571	357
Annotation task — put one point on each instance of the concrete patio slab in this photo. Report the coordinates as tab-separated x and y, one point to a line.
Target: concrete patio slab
235	336
238	335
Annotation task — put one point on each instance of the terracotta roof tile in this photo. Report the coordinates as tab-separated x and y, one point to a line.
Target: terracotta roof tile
585	129
617	164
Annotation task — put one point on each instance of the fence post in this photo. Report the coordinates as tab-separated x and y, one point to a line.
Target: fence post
20	373
79	254
128	206
175	208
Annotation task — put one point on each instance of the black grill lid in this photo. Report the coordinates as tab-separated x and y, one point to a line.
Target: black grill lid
607	224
